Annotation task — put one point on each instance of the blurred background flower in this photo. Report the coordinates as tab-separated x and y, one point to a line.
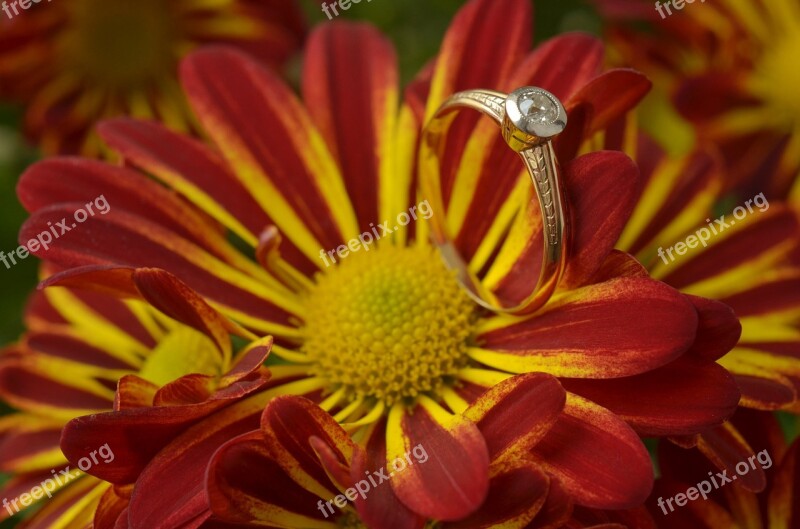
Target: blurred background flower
729	67
72	63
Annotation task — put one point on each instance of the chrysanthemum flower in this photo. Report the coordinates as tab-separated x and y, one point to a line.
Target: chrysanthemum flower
385	340
729	504
76	62
78	347
730	66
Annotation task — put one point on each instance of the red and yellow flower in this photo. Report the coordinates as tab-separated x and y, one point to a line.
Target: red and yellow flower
730	67
77	62
79	346
729	505
386	342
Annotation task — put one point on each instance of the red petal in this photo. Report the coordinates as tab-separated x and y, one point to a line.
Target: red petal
682	398
454	479
382	507
354	104
515	414
596	221
588	333
517	491
718	329
598	458
247	485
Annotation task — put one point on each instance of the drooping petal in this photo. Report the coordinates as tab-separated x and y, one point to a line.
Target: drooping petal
247	485
598	458
454	480
382	507
682	398
517	491
515	414
137	434
288	424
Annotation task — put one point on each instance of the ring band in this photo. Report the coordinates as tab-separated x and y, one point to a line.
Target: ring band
529	118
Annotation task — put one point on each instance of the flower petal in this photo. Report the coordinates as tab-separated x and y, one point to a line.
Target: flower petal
517	491
454	482
189	167
288	423
247	485
682	398
382	507
784	498
515	414
354	104
273	147
587	333
598	458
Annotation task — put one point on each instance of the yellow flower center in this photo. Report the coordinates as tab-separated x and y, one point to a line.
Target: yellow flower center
121	42
776	79
182	352
388	324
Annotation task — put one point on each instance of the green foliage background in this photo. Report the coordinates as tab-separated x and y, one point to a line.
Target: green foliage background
416	27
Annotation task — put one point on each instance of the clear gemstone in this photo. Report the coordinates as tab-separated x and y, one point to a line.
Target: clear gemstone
538	108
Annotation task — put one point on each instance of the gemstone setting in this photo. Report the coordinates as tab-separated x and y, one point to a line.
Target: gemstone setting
535	113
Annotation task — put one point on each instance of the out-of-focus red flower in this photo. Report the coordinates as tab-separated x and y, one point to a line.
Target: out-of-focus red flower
75	62
730	67
729	504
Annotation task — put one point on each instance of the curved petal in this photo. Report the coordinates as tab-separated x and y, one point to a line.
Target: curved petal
598	458
596	224
515	414
247	485
189	167
718	329
453	480
288	424
382	507
107	241
517	491
682	398
589	333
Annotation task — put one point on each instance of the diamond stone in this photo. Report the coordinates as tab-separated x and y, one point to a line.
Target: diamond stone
536	107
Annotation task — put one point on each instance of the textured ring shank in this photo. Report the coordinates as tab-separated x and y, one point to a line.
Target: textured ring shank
540	160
